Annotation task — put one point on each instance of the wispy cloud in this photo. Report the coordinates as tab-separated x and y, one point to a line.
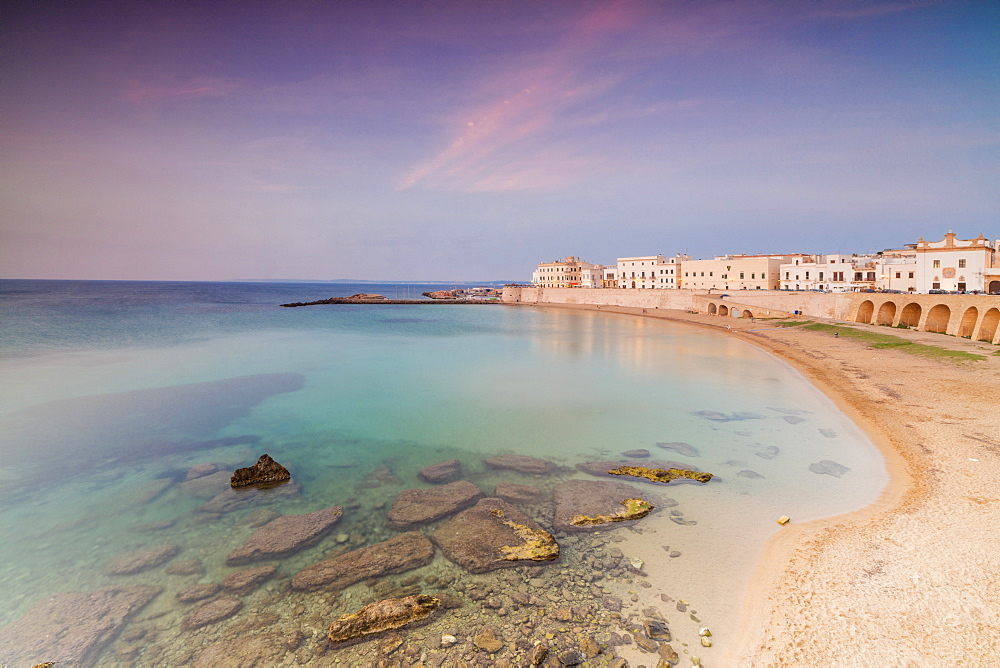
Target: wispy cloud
146	93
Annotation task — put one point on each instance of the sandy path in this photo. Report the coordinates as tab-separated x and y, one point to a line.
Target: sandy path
914	579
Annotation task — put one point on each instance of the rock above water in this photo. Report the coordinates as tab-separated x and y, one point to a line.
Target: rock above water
418	506
210	613
685	449
827	467
514	493
265	471
602	468
400	553
286	535
661	475
134	562
595	498
390	613
73	628
244	581
441	472
521	464
494	534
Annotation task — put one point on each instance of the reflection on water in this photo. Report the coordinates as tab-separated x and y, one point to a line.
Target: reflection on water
136	442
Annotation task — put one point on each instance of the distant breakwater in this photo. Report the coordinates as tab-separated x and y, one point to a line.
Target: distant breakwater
348	300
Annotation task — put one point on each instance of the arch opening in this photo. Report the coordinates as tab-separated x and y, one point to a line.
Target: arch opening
723	310
865	311
712	310
988	330
886	314
968	324
937	319
910	317
994	288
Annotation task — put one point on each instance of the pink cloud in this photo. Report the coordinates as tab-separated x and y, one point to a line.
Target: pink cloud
142	93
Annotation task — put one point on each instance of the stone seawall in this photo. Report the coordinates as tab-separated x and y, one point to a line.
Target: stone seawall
976	317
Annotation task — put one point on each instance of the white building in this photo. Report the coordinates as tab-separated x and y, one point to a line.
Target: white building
831	273
570	272
955	265
650	272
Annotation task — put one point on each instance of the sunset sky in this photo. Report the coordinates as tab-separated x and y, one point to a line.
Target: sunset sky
470	140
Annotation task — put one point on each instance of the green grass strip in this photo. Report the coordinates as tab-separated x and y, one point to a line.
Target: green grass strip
880	341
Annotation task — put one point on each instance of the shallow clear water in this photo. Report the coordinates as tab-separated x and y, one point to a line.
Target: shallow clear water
110	389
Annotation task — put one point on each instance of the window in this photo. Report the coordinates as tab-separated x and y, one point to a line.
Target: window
911	274
961	264
820	278
937	264
741	274
807	275
709	273
786	275
935	286
897	274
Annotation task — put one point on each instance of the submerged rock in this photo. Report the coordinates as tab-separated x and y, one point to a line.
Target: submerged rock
579	504
265	471
661	475
400	553
384	615
685	449
197	592
210	613
641	453
200	471
828	467
239	498
514	493
793	419
267	649
246	580
770	452
442	472
72	627
521	464
494	534
418	506
286	535
752	475
134	562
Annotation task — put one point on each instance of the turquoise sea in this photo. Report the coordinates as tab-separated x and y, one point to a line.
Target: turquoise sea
113	391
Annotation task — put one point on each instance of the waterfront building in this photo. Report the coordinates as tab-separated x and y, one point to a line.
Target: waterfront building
832	273
650	272
956	265
570	272
734	272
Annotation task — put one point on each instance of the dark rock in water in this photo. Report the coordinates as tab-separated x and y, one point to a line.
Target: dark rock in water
602	468
636	454
595	499
514	493
384	615
752	475
441	472
793	419
827	467
494	534
746	415
418	506
683	448
668	654
829	433
201	470
239	498
538	654
715	416
770	452
267	649
521	464
400	553
656	629
244	581
488	640
73	628
197	592
571	657
210	613
286	535
133	562
265	471
661	475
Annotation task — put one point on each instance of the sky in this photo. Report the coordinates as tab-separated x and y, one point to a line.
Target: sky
470	140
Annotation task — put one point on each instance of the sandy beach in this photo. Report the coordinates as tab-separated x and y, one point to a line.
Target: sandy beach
911	580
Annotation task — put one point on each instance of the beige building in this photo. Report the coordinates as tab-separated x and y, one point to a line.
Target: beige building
846	273
570	272
650	272
734	272
956	265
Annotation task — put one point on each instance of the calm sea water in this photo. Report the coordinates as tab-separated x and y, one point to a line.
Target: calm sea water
112	391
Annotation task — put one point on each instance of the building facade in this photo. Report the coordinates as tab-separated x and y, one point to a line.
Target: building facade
570	272
649	272
734	272
955	265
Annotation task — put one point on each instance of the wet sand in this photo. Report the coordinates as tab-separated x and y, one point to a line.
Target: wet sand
913	578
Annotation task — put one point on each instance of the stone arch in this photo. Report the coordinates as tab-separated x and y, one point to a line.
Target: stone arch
968	324
712	310
988	329
886	313
994	288
723	309
747	314
865	311
910	317
937	319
